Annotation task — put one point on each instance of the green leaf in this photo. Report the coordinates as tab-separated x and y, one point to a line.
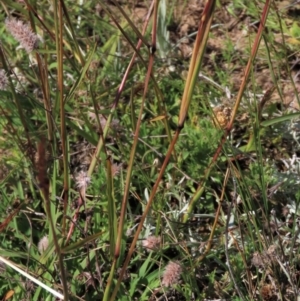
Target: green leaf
80	243
280	119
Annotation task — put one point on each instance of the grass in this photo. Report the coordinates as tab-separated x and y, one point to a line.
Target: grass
134	174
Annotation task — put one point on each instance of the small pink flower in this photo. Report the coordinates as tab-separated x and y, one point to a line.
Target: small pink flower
82	180
115	169
23	34
43	244
152	243
171	274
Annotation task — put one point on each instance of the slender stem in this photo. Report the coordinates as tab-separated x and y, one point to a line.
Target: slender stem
58	19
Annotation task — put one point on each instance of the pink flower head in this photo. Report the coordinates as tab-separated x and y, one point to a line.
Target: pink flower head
82	180
22	33
152	243
171	274
43	244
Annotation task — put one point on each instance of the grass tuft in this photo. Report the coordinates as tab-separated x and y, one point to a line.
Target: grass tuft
149	151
